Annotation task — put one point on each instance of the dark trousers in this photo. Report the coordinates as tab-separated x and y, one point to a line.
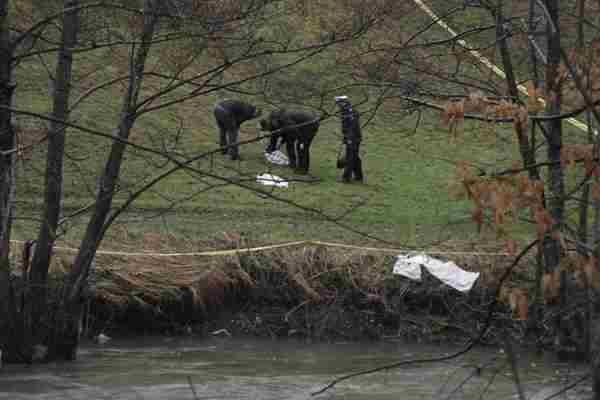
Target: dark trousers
228	132
353	162
299	154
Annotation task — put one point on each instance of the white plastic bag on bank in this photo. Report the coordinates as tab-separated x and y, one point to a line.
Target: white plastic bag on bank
448	272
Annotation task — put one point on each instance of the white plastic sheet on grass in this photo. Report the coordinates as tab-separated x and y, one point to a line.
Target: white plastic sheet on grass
446	271
272	180
277	157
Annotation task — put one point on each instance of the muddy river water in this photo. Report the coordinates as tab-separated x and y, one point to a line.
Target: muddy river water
226	368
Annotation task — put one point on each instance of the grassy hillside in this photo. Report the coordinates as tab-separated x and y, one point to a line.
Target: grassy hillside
408	166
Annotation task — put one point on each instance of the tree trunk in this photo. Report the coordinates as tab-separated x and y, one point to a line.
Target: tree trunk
526	150
582	232
583	227
54	173
533	46
9	326
77	280
583	220
596	378
526	146
552	250
595	364
554	135
7	135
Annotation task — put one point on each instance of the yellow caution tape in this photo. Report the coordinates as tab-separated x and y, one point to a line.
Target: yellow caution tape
485	61
230	252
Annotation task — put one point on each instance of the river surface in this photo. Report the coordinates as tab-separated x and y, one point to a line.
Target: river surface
225	368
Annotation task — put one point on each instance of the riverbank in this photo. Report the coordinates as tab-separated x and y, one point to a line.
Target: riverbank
314	292
310	291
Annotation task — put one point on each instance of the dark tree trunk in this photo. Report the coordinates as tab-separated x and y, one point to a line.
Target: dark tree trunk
7	135
590	354
533	46
552	250
596	378
554	135
77	280
583	228
10	328
526	146
54	173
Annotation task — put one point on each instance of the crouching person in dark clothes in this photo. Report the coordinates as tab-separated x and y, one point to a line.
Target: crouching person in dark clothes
296	129
230	114
352	138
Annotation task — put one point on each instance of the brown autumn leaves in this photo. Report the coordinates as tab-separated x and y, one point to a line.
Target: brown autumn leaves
503	198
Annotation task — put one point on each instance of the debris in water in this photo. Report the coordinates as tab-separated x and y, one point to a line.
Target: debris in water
101	338
39	352
222	332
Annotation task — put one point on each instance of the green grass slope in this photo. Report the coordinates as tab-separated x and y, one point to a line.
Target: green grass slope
405	200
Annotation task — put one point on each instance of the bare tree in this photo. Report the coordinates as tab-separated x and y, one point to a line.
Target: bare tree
147	87
461	73
38	275
7	131
7	173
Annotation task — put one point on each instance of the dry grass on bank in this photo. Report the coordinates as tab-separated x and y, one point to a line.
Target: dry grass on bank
194	288
308	274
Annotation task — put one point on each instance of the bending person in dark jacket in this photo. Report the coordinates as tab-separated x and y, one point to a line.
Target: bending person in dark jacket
297	130
352	138
230	114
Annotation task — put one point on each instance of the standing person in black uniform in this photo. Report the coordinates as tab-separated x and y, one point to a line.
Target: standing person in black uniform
352	138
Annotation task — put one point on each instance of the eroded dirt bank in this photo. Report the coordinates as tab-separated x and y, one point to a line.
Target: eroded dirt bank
317	293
